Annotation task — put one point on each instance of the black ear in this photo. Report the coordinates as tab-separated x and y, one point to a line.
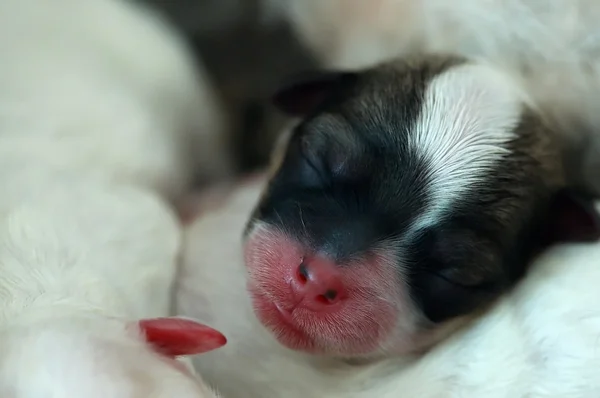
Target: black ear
304	93
573	217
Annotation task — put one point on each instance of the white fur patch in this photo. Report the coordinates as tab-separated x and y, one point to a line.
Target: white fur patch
468	117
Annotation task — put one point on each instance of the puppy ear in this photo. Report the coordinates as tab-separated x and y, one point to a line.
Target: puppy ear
176	336
302	94
573	217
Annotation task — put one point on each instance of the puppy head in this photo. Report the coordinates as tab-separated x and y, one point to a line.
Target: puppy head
411	195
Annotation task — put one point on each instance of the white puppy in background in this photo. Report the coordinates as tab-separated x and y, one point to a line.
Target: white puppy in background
105	89
82	262
103	121
540	341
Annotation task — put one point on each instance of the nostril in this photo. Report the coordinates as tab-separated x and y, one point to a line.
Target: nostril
303	272
328	298
330	294
317	284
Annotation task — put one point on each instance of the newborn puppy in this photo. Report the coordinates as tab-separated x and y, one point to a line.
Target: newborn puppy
409	197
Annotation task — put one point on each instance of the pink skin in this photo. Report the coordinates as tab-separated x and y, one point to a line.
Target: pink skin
359	319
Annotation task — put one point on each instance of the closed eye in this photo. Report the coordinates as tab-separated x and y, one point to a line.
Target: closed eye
442	298
450	277
311	168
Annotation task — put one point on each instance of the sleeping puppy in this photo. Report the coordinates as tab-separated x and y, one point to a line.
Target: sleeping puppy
411	196
538	341
404	206
101	110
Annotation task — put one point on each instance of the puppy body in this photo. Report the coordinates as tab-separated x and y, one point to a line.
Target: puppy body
80	260
516	33
101	111
539	341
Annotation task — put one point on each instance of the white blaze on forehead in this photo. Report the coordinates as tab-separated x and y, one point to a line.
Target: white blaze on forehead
468	117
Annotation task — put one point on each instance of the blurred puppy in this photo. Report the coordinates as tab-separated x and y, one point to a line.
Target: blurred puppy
82	264
103	100
103	121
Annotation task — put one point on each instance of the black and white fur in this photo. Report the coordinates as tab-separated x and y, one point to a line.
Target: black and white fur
427	182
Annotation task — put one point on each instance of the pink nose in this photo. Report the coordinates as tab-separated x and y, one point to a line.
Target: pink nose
318	284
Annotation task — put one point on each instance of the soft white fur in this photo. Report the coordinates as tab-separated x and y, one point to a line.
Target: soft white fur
80	262
468	119
540	342
103	120
552	46
102	88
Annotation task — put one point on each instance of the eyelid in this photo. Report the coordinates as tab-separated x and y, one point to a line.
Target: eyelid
314	161
450	274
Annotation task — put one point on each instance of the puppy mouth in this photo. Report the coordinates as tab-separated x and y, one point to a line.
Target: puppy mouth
281	323
317	334
285	314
